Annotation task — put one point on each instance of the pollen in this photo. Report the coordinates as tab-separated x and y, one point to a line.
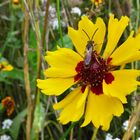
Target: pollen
93	74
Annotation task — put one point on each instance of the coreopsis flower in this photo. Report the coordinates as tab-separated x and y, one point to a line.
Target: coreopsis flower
100	87
16	2
9	104
5	66
97	2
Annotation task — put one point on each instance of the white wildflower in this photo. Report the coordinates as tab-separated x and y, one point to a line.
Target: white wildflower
110	137
76	10
5	137
55	24
125	126
6	124
52	12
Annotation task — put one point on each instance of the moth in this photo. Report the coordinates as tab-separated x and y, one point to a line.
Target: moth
89	49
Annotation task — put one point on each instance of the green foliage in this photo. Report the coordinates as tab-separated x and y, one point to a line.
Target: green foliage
39	118
14	74
17	121
12	83
67	132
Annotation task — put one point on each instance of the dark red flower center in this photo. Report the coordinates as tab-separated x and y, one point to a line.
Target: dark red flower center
93	74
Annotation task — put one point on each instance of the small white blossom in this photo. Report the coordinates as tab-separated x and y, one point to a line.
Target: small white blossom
76	10
6	124
53	20
138	138
55	24
52	12
125	126
5	137
110	137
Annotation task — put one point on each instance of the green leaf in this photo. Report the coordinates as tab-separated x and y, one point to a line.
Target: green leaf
39	118
67	42
1	106
134	3
14	74
14	129
67	131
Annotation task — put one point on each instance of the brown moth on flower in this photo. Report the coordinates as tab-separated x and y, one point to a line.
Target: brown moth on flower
101	87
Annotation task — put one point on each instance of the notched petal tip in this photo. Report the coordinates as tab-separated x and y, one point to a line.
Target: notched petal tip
84	17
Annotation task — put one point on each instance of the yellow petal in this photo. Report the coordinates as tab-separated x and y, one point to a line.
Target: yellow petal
59	72
107	120
127	52
89	112
100	109
8	68
5	66
123	84
97	3
68	99
72	111
80	38
63	58
55	86
100	34
83	97
77	40
115	30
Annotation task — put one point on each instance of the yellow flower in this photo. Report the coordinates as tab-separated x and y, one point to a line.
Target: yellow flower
97	2
16	2
5	66
9	104
100	88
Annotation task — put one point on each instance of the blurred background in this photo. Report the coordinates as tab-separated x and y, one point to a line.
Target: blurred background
28	28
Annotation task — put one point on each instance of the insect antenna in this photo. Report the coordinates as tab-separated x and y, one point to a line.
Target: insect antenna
94	33
86	33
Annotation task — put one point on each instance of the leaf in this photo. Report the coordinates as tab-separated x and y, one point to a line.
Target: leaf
134	4
39	118
14	74
67	131
14	129
67	42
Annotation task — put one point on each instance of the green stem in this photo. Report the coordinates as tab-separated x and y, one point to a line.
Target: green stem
59	21
137	24
45	24
138	14
94	134
109	6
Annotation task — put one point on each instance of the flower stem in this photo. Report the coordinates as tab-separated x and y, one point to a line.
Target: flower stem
45	24
59	21
137	18
26	76
109	7
134	119
94	134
